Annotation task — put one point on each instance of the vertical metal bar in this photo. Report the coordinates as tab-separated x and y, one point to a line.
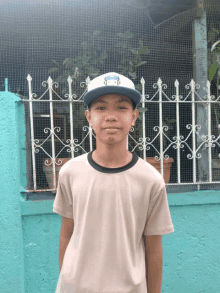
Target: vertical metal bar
29	79
192	84
90	128
209	130
143	120
6	84
71	116
90	138
159	83
178	129
50	86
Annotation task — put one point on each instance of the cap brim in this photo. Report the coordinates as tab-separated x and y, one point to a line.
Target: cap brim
132	94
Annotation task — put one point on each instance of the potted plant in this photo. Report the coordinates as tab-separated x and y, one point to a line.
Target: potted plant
214	75
48	169
151	160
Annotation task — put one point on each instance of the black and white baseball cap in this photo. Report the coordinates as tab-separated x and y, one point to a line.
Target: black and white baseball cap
111	83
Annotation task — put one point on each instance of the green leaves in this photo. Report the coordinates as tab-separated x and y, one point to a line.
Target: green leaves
138	87
56	63
65	61
214	45
168	123
103	55
126	35
96	33
141	63
143	50
133	75
141	43
140	51
140	117
141	110
68	62
212	71
84	59
54	69
91	58
134	51
84	45
122	45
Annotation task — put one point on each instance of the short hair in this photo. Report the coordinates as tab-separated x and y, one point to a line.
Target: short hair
133	105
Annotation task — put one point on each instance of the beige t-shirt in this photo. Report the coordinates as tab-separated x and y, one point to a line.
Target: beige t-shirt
112	209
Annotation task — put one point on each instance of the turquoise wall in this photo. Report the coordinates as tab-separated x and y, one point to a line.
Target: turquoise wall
29	235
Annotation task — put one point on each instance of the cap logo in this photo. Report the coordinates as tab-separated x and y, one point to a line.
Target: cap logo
112	80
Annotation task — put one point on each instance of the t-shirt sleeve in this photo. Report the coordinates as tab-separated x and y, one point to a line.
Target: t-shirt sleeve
159	220
62	204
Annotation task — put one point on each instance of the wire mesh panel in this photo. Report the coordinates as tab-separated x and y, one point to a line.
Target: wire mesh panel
89	38
97	36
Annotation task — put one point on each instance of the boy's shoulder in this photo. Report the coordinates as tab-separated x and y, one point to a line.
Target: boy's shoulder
149	169
73	163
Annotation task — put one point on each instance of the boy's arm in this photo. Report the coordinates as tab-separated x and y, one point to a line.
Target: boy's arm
67	227
154	262
64	241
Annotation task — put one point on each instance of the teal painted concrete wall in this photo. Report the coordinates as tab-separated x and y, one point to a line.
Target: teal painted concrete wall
29	234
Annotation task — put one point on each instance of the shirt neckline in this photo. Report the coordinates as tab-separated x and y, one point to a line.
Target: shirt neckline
111	170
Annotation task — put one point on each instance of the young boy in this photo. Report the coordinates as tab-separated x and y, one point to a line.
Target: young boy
113	204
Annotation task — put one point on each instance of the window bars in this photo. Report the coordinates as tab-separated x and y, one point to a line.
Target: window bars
208	141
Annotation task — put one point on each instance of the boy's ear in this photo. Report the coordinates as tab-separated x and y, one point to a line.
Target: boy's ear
86	114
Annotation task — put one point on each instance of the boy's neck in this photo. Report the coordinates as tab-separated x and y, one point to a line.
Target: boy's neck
112	161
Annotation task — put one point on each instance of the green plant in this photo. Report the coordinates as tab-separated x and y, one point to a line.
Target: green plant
79	67
131	58
87	63
130	66
214	74
91	59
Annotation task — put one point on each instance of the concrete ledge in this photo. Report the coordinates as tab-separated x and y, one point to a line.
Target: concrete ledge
43	203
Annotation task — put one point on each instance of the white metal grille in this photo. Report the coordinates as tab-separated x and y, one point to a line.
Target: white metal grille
205	143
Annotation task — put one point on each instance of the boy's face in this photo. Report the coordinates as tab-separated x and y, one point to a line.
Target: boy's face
107	111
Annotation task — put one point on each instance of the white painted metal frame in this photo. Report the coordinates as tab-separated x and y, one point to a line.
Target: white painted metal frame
144	144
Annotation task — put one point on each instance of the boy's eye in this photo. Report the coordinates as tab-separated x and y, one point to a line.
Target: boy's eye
104	107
